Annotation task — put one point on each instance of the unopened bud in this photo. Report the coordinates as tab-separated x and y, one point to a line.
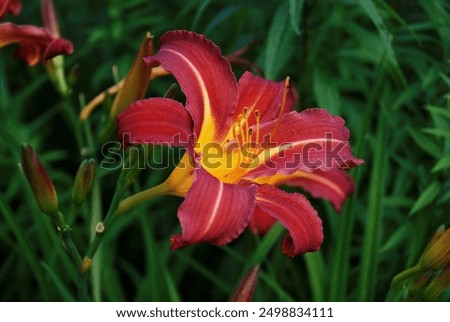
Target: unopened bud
246	288
39	181
438	285
83	181
437	254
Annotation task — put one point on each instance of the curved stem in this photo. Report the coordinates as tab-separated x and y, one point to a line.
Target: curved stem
128	203
121	208
404	276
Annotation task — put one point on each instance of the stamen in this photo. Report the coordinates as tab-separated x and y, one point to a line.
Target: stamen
283	103
246	123
235	134
243	131
257	126
250	132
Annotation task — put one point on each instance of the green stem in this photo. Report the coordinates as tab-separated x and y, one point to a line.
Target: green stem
120	207
76	257
369	255
96	217
405	276
341	262
315	267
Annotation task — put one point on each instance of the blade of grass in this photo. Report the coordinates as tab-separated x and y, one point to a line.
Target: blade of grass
28	252
279	42
341	261
370	247
58	284
315	266
264	247
295	14
372	11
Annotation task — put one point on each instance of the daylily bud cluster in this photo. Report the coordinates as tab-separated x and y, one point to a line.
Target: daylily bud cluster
431	276
437	254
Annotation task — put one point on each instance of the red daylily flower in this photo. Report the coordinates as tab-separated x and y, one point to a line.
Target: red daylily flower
242	140
10	6
34	42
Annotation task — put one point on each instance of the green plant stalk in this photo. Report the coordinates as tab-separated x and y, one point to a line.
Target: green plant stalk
340	271
315	267
369	256
118	207
96	217
405	276
73	252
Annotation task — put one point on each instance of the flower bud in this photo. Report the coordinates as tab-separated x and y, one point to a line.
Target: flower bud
39	181
246	287
83	181
437	254
438	285
137	79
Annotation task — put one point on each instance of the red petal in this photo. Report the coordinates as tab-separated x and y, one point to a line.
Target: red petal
155	120
34	42
213	211
256	93
334	185
56	47
49	17
309	141
260	221
296	214
10	6
205	77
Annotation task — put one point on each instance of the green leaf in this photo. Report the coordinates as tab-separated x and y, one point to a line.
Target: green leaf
372	11
425	143
439	111
403	232
437	132
295	14
326	91
442	164
373	228
427	197
279	43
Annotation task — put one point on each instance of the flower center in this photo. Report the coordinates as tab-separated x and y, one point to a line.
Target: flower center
243	149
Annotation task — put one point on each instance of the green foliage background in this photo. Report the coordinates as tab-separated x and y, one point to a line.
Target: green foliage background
382	65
